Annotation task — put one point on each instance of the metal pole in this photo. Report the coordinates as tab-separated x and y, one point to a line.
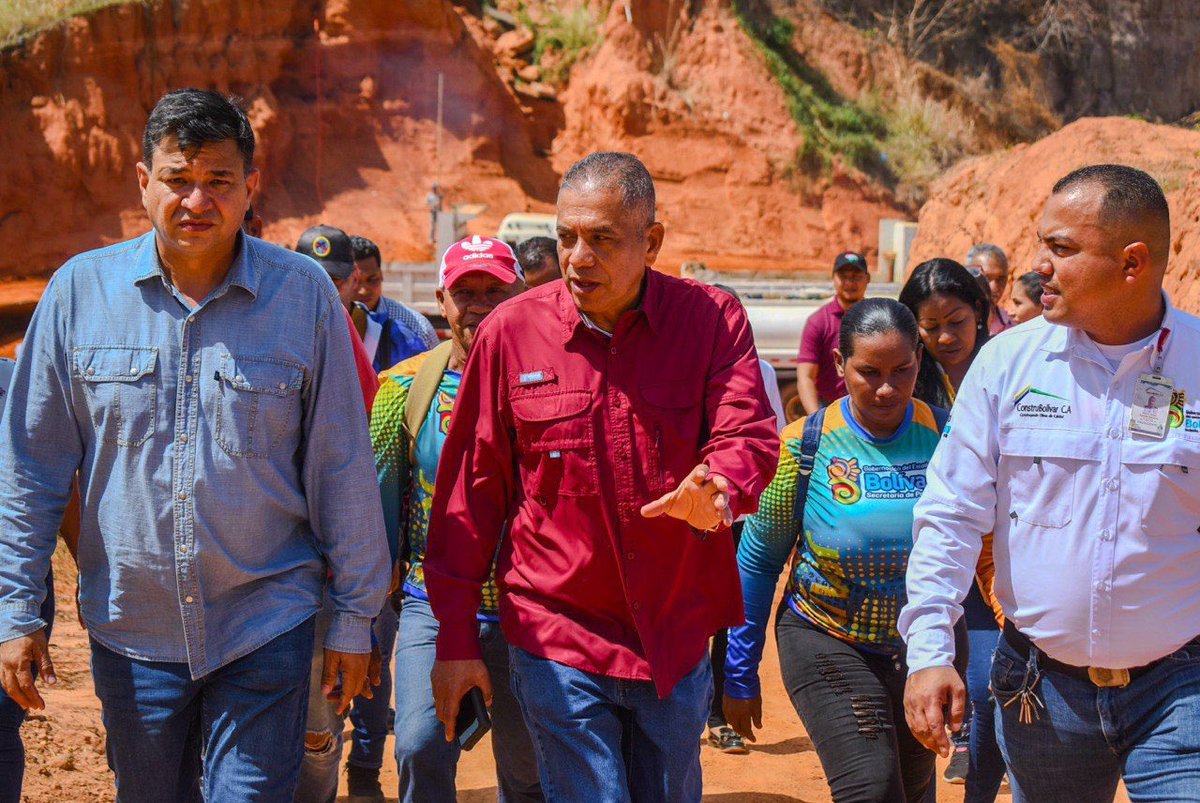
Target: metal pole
437	165
320	132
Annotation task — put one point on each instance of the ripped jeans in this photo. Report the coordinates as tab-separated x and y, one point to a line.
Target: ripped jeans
324	729
852	704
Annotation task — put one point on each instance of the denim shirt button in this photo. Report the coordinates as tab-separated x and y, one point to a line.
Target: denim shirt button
188	599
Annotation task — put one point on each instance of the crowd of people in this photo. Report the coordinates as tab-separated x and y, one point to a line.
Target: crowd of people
291	504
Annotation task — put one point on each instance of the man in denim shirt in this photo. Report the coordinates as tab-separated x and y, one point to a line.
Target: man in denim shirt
201	383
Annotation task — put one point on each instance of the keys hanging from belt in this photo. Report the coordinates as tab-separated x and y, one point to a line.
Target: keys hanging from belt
1028	694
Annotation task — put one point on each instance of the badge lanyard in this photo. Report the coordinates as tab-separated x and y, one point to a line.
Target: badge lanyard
1152	394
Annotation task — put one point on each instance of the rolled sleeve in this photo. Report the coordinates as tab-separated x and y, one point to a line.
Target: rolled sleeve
949	521
743	444
40	451
342	491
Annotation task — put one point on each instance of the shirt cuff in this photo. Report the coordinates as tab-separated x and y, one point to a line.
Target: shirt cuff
459	641
929	648
20	619
744	689
350	633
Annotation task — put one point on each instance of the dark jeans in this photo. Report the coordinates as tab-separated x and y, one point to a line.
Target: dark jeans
716	654
12	749
604	740
1086	738
986	764
851	702
241	726
372	718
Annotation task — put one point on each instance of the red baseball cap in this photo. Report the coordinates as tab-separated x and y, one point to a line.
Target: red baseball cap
478	254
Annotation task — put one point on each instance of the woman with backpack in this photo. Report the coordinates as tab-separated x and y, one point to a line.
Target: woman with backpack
842	498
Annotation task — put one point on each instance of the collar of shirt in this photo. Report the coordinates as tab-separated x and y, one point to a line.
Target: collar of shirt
243	271
649	309
1070	341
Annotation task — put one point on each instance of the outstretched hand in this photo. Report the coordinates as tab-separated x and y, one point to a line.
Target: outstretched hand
702	500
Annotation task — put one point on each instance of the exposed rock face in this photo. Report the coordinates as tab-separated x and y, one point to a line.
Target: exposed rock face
999	198
346	116
1142	56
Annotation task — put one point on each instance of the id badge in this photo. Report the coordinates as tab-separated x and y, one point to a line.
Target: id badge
1151	405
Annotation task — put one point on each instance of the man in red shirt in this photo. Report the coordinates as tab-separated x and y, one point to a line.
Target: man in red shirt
612	426
817	379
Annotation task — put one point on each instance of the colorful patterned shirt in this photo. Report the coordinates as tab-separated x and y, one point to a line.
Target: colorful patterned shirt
847	574
407	494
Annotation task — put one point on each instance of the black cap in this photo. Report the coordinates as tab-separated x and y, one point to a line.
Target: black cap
329	246
850	259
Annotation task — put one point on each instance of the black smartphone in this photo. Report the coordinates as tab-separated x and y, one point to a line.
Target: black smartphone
473	720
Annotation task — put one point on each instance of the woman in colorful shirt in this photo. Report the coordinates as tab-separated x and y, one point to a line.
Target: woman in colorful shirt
951	309
849	519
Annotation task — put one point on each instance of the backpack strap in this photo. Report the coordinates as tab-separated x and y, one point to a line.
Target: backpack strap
810	441
421	393
940	417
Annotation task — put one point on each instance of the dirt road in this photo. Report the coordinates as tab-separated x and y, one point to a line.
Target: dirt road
66	761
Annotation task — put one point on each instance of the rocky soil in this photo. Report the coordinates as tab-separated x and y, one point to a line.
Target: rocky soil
998	198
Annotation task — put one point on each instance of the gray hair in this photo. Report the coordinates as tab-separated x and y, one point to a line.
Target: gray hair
995	251
608	169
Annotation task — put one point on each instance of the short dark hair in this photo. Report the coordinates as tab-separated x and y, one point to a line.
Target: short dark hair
875	316
1130	196
943	276
365	249
534	251
1033	283
612	169
196	117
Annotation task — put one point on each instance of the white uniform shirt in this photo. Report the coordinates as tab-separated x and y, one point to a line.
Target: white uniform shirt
1097	547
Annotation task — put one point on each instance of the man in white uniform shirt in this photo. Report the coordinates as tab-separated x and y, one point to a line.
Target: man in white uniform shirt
1094	498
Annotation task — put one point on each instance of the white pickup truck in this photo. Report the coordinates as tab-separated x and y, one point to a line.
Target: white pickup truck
778	304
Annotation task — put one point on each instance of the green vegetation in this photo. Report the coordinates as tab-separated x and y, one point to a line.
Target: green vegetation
565	36
924	137
830	124
20	19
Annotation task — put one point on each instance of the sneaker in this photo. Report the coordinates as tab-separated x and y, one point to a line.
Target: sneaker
363	785
727	740
956	770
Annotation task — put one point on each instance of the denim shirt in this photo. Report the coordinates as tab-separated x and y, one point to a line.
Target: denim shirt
224	459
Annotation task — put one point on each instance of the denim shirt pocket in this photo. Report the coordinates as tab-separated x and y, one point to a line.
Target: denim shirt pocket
258	405
120	390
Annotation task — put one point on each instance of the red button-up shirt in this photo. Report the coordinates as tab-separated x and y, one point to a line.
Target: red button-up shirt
561	434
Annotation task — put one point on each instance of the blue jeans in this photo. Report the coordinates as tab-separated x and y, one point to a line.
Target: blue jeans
244	722
12	749
986	769
1089	738
370	718
604	740
427	763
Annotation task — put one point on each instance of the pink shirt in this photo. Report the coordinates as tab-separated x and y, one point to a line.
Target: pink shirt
817	343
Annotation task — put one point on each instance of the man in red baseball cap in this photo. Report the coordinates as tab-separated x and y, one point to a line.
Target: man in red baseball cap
474	270
409	423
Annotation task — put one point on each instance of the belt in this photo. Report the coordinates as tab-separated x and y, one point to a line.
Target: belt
1096	675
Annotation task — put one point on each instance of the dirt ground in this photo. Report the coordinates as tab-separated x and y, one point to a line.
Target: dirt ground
65	743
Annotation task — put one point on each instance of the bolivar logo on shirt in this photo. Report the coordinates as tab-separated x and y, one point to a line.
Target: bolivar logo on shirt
1034	403
905	481
849	483
843	480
